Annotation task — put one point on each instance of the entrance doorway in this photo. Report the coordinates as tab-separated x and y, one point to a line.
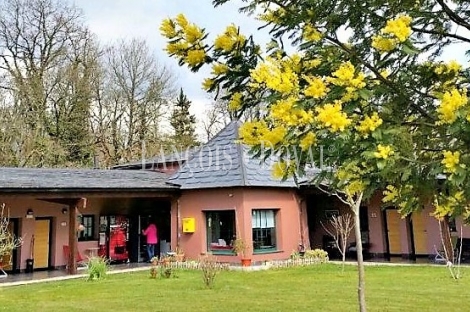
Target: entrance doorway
144	210
393	232
41	248
420	235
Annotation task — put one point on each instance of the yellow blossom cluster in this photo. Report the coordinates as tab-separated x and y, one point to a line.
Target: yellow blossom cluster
383	44
390	194
446	205
452	67
308	141
235	102
282	168
219	69
399	27
286	112
310	64
355	187
369	124
185	40
207	83
345	76
229	39
450	161
257	132
383	151
311	33
332	117
451	101
195	57
395	31
275	75
272	15
350	177
316	88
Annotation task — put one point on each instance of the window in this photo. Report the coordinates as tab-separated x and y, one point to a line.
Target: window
88	222
263	224
220	231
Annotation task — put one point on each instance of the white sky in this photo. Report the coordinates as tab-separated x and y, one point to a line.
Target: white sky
117	19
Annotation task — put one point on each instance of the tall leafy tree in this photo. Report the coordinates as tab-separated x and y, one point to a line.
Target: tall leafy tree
368	79
183	122
46	59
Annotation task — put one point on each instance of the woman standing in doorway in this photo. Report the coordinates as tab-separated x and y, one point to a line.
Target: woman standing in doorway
152	239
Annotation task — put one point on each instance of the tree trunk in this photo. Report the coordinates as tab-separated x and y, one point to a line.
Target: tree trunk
361	291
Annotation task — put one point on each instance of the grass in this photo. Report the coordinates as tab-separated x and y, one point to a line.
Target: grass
314	288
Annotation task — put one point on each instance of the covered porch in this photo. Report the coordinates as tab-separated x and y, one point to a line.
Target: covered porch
90	212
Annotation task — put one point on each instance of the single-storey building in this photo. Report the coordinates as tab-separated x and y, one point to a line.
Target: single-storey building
200	200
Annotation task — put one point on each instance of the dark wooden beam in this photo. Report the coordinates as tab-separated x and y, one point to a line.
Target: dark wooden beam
73	239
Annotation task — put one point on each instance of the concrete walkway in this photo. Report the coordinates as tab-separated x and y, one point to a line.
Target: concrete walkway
59	275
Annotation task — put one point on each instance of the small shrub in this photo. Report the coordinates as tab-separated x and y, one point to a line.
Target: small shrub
295	255
209	268
154	267
166	267
317	254
97	268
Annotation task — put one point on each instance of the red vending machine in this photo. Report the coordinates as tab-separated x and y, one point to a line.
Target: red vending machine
114	237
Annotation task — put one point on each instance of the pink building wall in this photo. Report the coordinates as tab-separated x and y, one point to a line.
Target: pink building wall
193	203
59	226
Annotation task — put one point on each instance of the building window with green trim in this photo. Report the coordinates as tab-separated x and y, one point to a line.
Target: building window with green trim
263	223
220	229
88	225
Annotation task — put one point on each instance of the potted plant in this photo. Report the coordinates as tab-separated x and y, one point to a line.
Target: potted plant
240	247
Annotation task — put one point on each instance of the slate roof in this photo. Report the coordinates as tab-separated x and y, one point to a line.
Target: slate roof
179	156
222	162
40	179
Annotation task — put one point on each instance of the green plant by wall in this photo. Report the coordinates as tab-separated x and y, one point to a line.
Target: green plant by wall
97	268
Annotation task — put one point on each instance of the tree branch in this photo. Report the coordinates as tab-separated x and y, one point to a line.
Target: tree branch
452	15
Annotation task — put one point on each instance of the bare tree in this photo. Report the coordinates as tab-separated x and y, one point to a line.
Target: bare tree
133	95
216	117
340	227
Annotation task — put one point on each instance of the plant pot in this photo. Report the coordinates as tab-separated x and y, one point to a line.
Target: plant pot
246	262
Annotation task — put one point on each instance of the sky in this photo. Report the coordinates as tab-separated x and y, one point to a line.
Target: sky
112	20
122	19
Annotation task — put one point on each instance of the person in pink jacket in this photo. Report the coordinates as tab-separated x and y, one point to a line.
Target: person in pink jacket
152	239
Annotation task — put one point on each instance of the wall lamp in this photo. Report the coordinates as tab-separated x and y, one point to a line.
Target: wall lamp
29	213
64	210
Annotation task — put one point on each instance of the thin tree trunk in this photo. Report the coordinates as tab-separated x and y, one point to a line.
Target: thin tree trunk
361	290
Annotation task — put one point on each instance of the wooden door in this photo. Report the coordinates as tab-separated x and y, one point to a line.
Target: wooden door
393	231
420	235
41	243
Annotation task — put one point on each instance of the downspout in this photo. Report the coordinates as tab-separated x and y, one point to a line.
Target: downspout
178	223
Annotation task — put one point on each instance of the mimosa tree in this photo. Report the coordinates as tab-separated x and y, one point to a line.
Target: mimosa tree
359	85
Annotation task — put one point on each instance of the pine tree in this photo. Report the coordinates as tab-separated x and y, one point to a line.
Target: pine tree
183	122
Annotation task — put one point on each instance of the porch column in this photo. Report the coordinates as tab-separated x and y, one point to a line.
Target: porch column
73	241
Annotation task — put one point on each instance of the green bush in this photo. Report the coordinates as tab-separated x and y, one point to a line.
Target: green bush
97	268
317	254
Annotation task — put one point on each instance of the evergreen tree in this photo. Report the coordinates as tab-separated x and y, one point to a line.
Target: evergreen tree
183	122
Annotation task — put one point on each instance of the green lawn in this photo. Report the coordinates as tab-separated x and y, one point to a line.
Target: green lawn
314	288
